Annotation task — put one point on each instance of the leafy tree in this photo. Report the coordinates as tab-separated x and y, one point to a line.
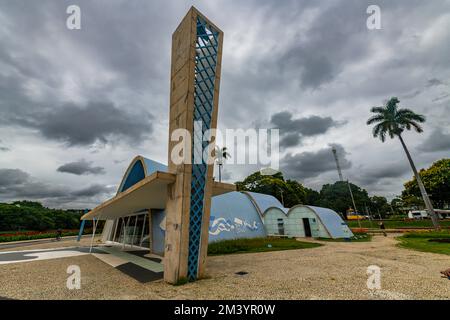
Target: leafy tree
289	192
398	204
336	196
413	202
312	197
380	206
392	121
29	215
436	180
296	194
28	204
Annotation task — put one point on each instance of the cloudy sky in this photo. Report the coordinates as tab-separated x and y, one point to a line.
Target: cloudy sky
77	105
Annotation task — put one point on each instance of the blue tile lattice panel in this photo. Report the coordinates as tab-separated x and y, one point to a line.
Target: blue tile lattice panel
205	73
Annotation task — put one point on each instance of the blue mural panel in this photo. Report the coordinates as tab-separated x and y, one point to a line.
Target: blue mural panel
158	231
233	216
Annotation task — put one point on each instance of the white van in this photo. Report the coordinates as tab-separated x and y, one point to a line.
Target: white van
423	214
418	214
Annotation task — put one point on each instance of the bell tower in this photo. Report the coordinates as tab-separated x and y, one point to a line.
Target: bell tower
194	96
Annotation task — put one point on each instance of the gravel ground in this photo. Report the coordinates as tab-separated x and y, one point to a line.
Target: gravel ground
336	270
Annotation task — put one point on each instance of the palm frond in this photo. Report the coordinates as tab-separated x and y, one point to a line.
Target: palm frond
416	126
392	121
376	118
378	110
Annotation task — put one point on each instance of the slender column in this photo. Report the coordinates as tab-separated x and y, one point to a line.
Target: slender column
195	77
150	230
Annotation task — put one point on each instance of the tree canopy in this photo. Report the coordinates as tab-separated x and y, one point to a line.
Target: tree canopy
29	215
336	196
288	192
436	180
392	121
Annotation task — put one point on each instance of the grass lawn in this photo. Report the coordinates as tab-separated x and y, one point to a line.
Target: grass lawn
392	224
358	237
436	242
257	245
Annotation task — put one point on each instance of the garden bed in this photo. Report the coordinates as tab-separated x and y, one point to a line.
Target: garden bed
257	245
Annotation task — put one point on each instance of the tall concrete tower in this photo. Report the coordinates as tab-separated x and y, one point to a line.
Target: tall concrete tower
194	97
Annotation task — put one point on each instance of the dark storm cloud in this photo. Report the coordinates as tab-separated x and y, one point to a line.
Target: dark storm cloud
85	125
292	130
35	190
57	66
434	82
336	36
80	167
289	140
10	177
441	97
93	190
312	164
317	54
17	184
372	175
118	36
2	147
436	141
431	83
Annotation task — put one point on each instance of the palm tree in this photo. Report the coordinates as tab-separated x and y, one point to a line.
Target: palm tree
221	156
392	121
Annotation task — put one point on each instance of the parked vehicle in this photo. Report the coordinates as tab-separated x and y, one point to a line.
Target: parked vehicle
418	214
423	214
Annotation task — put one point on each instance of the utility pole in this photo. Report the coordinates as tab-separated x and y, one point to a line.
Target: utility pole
354	205
281	192
368	214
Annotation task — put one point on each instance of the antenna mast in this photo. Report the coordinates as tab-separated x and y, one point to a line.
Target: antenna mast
337	164
342	180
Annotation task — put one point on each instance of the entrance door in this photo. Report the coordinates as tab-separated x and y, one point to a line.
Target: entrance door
306	227
280	223
132	230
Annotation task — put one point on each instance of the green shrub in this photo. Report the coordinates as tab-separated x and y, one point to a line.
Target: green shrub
43	235
257	245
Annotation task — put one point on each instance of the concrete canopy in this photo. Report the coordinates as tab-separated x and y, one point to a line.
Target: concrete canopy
148	193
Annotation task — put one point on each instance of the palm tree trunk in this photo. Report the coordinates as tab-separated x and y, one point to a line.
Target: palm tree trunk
425	197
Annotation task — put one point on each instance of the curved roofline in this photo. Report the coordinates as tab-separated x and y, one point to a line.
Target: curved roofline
279	209
257	202
257	208
130	166
145	162
289	211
